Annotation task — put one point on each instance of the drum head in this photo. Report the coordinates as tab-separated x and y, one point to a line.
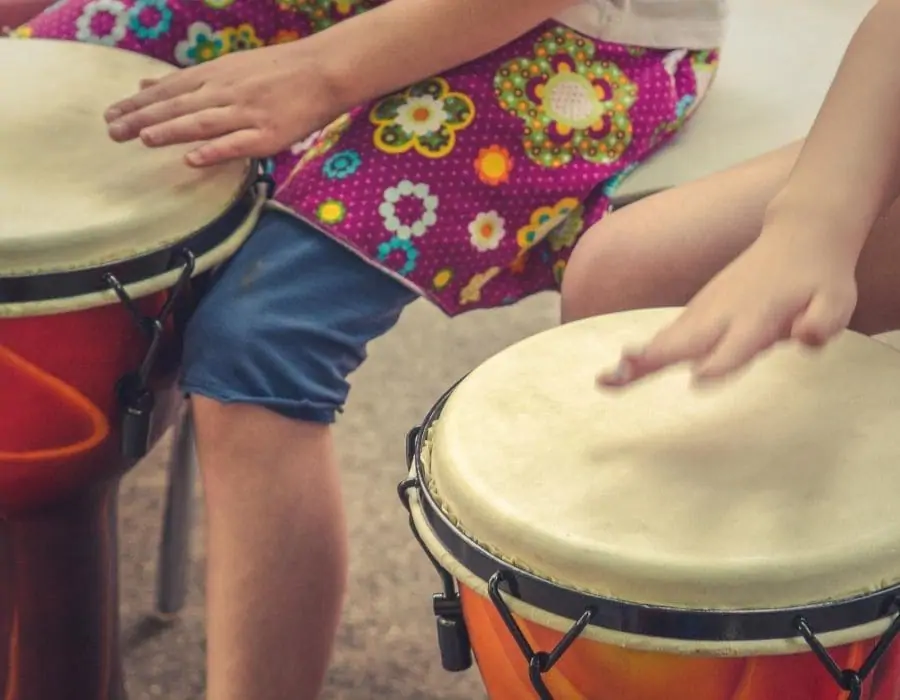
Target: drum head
776	489
70	197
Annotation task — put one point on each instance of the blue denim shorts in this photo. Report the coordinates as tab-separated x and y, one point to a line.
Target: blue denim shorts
286	320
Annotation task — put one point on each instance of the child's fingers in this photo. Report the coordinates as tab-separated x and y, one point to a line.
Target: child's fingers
684	340
158	116
147	83
245	143
740	344
162	89
823	318
198	126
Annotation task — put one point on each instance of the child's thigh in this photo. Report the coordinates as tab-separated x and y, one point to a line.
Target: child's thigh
288	318
659	251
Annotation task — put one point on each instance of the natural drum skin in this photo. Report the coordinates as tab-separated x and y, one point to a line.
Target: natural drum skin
768	496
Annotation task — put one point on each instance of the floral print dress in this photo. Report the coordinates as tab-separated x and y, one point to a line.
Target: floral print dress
471	187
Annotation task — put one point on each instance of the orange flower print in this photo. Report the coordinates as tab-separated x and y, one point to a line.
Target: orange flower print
493	165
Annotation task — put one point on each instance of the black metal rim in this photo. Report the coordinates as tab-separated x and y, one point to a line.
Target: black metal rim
635	618
74	283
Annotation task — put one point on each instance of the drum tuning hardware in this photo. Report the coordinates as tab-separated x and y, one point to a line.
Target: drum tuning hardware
135	397
266	177
539	662
452	634
849	680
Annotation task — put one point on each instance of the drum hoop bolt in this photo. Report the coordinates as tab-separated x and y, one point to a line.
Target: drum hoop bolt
850	680
136	401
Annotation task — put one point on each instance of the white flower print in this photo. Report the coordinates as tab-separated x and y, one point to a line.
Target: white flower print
421	115
406	190
486	230
92	12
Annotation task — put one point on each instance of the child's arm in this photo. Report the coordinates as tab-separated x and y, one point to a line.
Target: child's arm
256	103
848	172
404	41
797	280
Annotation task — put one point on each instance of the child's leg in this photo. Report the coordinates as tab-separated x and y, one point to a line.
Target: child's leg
266	361
661	250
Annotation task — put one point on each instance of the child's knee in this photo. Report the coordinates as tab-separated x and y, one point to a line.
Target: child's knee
600	273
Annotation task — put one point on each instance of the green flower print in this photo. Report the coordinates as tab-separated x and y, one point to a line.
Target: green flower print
572	105
322	14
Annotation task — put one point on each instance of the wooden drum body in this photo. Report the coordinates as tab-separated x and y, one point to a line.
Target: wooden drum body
666	542
101	249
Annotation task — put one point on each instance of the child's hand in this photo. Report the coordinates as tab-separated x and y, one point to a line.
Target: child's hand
244	105
788	284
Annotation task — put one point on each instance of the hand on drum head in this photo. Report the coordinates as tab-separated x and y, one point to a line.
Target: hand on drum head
251	104
789	285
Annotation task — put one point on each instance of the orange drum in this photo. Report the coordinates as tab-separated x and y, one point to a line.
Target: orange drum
666	542
101	246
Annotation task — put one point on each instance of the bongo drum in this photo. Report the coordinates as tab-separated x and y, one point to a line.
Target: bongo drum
102	248
666	542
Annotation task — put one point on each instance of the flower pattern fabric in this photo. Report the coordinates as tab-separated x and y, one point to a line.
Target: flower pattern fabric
426	118
471	187
572	103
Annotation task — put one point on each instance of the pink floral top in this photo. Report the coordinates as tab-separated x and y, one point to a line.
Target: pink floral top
472	186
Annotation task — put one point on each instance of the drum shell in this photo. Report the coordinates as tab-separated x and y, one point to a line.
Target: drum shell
597	670
60	418
592	670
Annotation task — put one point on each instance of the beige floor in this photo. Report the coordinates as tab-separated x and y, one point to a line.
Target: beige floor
387	647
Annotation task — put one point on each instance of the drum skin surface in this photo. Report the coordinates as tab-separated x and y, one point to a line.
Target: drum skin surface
592	670
773	491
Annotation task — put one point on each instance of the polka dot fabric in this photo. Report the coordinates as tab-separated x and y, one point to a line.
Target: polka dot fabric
472	187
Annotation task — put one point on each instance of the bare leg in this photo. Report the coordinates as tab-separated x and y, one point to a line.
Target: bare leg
277	553
660	251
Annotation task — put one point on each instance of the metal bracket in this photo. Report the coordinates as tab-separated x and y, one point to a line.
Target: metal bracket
849	680
539	662
135	399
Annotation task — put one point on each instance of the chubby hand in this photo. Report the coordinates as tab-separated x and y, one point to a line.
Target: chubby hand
787	285
243	105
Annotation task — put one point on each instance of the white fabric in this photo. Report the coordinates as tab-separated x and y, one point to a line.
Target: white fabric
775	489
665	24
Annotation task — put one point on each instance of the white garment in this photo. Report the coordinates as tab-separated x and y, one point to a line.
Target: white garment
662	24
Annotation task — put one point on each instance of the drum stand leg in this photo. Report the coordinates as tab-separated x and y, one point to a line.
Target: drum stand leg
59	619
174	546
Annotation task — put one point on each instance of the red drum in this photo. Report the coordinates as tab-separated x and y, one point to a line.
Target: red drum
102	246
733	542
